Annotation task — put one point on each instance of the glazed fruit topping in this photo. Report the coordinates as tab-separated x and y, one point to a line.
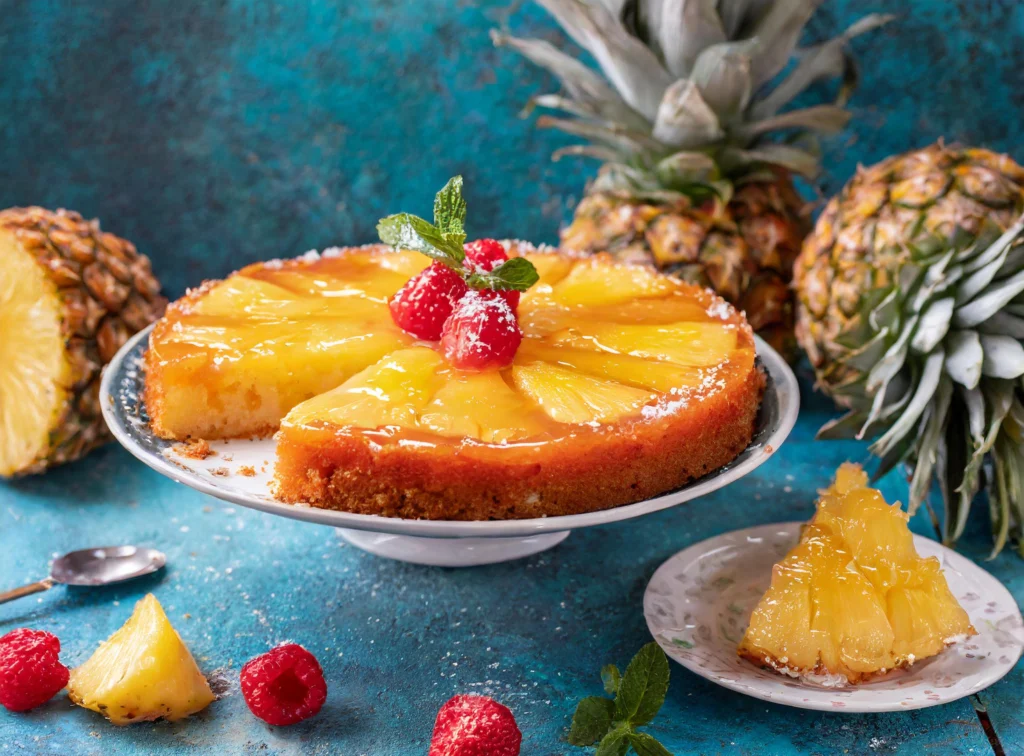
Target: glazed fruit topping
481	333
475	726
30	670
485	334
427	299
284	686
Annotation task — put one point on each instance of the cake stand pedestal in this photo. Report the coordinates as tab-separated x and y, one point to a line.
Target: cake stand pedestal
451	552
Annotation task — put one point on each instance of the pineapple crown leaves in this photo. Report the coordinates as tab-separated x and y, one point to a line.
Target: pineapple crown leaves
637	696
443	241
690	77
938	360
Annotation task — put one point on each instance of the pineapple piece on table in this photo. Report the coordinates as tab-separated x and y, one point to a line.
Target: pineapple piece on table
70	296
853	599
694	179
142	672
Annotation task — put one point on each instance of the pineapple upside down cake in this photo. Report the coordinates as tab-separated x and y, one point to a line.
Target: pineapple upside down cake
442	380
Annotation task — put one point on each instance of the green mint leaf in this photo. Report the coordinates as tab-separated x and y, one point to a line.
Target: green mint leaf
450	210
517	273
647	745
592	720
643	687
404	231
611	677
615	743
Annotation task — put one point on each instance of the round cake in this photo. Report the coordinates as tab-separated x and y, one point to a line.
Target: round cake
627	384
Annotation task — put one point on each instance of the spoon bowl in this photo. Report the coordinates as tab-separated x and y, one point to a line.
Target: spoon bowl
106	565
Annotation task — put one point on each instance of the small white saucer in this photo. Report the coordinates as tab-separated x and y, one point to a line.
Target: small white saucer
699	602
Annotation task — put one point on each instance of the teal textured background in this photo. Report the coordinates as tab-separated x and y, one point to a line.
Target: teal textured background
219	132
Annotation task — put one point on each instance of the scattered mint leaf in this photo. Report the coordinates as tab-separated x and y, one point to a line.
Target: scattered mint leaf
516	273
611	677
643	687
682	642
615	743
647	745
450	211
405	231
592	720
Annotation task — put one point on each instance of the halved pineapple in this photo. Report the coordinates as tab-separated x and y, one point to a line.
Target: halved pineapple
70	296
853	599
142	672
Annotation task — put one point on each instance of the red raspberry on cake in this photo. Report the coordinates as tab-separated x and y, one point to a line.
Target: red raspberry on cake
482	332
483	256
30	670
284	686
426	300
475	726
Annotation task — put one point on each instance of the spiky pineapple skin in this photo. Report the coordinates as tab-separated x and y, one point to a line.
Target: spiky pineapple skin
107	293
859	242
744	249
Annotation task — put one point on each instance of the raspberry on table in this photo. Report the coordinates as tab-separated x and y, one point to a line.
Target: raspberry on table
284	686
30	670
426	300
475	726
482	332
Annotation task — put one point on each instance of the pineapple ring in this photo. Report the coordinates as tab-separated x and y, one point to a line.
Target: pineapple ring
617	362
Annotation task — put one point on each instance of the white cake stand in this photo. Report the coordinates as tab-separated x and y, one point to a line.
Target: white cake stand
445	543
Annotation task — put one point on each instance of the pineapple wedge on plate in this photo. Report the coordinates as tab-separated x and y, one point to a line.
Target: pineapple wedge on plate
70	296
142	672
686	121
853	600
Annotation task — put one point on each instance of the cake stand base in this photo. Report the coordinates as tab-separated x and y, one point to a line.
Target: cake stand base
451	552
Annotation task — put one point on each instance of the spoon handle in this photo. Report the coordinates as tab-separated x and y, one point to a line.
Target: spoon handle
26	590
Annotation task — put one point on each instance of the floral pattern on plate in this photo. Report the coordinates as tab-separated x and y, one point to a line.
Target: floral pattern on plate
699	602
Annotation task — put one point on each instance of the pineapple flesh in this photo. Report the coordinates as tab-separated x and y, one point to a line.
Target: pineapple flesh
853	599
70	296
144	671
602	340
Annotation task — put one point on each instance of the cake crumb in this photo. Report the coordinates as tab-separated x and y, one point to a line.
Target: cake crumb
247	470
222	472
197	449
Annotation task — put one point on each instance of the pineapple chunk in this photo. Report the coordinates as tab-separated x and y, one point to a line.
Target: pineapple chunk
142	672
551	268
658	376
600	282
853	599
569	397
390	392
691	344
481	406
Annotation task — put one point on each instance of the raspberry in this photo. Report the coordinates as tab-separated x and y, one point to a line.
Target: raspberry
475	726
30	672
482	332
483	256
284	685
425	302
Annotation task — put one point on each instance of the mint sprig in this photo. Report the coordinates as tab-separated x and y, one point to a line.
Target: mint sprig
442	240
638	695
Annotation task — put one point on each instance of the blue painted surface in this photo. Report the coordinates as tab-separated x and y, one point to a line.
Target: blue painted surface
218	133
397	640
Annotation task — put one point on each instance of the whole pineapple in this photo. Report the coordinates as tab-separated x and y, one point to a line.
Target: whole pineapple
692	181
910	306
70	296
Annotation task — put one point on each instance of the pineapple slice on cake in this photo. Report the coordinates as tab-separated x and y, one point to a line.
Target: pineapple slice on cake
70	296
687	121
142	672
853	599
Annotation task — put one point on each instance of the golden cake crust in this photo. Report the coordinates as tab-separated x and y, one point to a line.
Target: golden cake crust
591	471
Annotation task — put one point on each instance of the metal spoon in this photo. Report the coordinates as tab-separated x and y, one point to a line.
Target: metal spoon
101	566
